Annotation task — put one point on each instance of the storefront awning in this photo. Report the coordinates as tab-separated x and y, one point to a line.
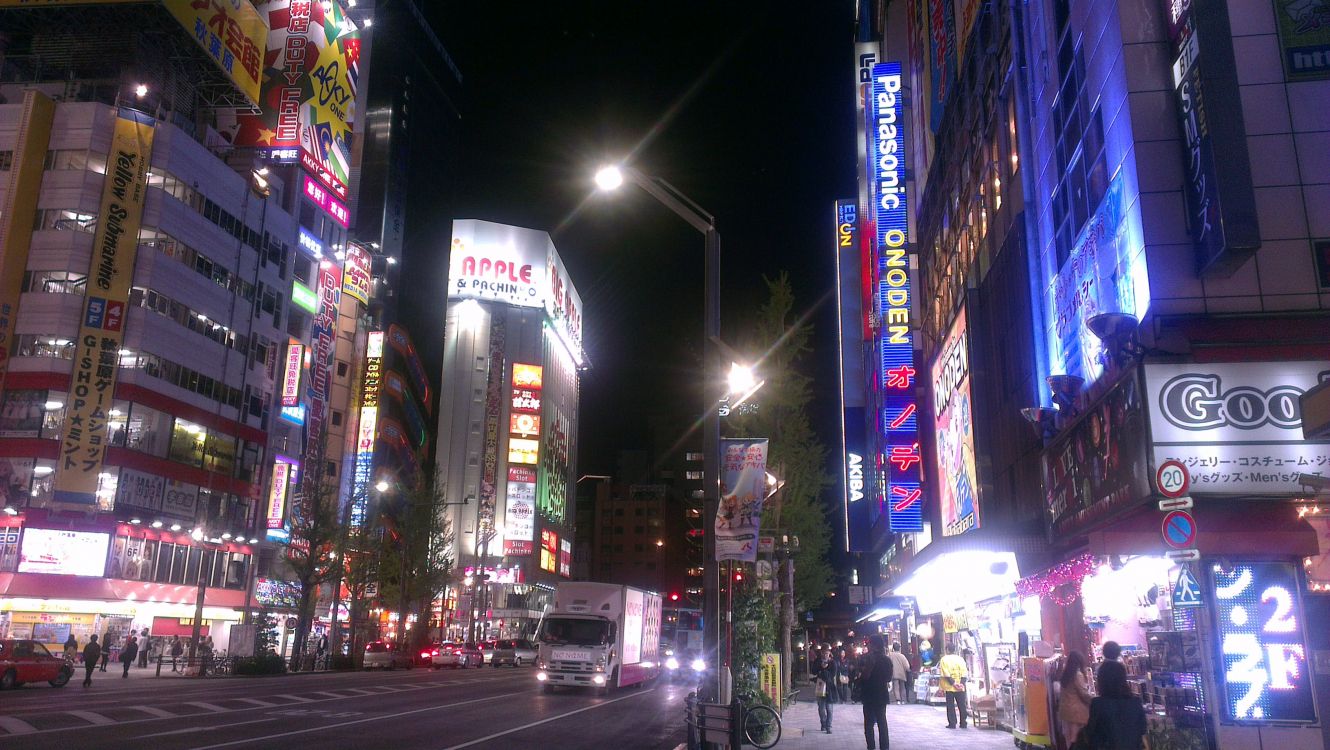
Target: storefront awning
1254	528
44	586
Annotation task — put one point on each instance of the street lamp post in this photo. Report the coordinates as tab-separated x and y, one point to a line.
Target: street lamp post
610	178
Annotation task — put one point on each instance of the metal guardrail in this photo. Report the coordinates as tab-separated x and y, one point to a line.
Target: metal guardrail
712	725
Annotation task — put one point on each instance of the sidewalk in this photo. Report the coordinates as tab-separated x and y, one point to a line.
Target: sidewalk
912	726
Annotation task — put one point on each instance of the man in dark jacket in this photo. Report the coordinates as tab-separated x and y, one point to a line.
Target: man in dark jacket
92	653
875	687
129	653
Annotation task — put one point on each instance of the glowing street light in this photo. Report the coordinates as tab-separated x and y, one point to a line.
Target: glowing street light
141	90
382	485
609	178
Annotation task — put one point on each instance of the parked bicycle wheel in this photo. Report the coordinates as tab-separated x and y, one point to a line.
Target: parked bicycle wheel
761	726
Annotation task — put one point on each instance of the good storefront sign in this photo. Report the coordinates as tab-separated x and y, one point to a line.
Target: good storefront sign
1237	427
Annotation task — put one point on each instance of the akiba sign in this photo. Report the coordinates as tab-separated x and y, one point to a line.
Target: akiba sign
1237	427
899	422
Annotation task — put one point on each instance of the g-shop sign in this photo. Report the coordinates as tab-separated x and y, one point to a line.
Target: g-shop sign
1237	427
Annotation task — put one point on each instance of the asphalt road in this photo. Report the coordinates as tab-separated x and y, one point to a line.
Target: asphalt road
485	709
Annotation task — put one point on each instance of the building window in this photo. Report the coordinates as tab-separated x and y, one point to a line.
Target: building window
332	468
336	418
187	441
55	282
692	456
342	369
692	475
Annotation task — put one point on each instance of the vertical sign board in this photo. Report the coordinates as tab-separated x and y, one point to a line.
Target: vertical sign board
356	273
322	348
102	328
743	490
958	485
1221	206
855	516
523	424
489	463
281	479
1264	664
25	182
367	428
293	364
519	520
901	456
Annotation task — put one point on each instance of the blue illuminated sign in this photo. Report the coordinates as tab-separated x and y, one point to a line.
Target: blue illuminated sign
310	244
900	457
1266	673
293	414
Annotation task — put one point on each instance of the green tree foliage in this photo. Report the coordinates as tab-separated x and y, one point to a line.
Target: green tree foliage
413	565
315	533
782	341
754	635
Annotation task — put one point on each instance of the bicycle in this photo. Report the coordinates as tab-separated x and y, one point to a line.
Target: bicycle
760	723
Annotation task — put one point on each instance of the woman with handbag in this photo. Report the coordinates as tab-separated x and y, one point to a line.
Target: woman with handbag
1117	718
825	682
1074	699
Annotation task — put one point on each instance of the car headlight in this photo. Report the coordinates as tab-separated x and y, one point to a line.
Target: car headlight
669	652
599	679
541	677
671	663
699	665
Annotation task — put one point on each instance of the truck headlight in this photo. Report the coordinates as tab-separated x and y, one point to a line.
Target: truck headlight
671	663
599	679
541	676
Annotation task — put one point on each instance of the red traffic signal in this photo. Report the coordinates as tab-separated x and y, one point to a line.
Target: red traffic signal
738	576
674	596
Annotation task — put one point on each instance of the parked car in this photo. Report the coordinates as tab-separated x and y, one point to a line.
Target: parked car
381	655
516	653
28	661
487	650
457	655
427	653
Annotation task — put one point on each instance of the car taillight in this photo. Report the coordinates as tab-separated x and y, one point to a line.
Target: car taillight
435	652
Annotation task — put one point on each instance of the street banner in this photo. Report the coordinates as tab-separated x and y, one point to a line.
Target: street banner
310	71
25	182
102	328
232	33
743	480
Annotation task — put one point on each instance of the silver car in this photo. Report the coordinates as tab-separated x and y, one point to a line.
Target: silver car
516	652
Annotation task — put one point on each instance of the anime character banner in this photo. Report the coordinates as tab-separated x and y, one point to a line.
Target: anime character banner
743	489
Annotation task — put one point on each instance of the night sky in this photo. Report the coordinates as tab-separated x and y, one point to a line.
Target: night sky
745	107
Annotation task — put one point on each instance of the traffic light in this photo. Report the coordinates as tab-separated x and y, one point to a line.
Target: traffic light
674	596
738	575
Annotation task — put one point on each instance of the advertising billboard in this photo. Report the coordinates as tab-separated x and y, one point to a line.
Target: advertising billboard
519	520
102	328
277	490
367	426
356	279
857	516
65	553
634	611
549	550
563	305
1264	669
1236	426
324	199
136	489
1304	39
901	456
311	71
953	428
497	263
566	557
231	32
291	367
743	490
322	348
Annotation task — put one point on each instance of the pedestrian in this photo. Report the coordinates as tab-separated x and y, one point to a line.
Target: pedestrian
145	645
842	676
91	654
875	691
129	653
953	673
900	671
826	688
205	651
71	649
105	650
1074	698
177	648
1112	651
1117	719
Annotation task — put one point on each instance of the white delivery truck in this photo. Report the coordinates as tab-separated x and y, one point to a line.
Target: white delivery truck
600	636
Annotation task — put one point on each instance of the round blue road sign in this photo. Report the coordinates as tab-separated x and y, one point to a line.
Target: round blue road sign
1179	529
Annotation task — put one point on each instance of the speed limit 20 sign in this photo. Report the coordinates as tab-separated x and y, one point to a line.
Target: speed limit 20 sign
1172	479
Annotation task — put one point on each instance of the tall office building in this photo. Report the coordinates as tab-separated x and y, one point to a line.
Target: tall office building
507	440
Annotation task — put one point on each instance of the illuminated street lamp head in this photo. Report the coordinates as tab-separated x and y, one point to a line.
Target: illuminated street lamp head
741	378
141	90
609	178
382	485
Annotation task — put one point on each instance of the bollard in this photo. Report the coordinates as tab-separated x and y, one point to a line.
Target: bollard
159	665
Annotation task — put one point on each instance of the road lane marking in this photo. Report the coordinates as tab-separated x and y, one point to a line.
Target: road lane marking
15	725
296	698
92	717
209	707
363	691
153	711
209	728
257	702
546	721
325	727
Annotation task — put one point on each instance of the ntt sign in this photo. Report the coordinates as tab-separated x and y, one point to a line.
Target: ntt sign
901	459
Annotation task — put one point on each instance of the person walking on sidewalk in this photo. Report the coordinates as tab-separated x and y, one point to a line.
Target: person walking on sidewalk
1074	698
900	670
145	648
129	653
92	653
842	676
875	691
953	672
826	688
71	649
1117	719
105	650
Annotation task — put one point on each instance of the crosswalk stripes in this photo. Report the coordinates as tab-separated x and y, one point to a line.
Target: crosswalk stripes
15	725
92	717
257	702
296	698
153	711
208	706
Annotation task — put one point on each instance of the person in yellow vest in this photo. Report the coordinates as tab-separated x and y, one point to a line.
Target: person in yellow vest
953	673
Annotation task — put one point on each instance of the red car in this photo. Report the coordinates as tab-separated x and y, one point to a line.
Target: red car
29	661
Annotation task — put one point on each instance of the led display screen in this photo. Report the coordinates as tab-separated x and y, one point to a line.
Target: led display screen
549	550
1265	673
68	553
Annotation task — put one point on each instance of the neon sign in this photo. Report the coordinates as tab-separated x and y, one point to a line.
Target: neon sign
901	458
1265	672
295	359
324	199
281	479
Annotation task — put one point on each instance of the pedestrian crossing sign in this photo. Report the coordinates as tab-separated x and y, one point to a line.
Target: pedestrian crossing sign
1187	590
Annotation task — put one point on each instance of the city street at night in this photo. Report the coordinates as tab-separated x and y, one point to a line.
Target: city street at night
486	709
